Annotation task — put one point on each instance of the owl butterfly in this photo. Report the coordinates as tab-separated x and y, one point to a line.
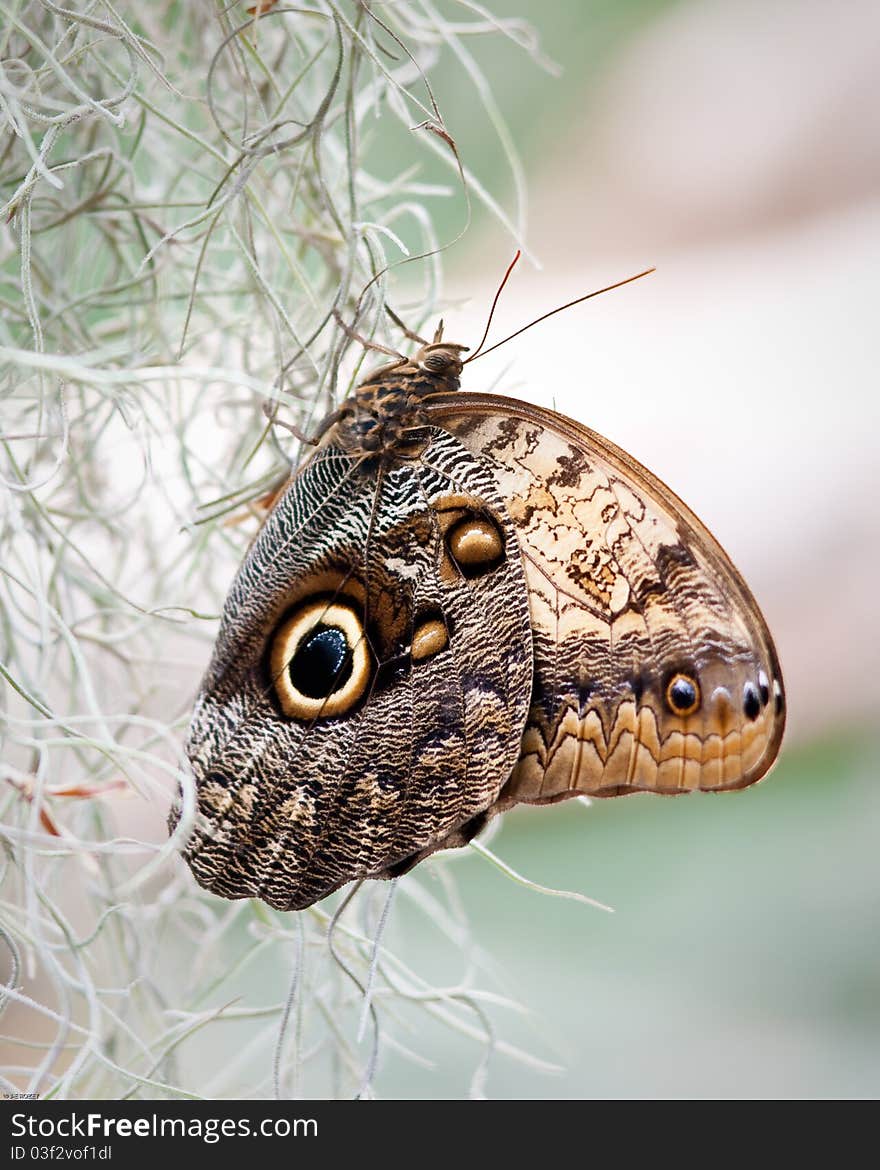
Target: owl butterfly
459	603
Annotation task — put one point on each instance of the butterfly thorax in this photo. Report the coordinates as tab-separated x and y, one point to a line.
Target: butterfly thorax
388	406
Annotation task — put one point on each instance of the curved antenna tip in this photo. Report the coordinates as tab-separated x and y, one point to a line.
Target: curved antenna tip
568	305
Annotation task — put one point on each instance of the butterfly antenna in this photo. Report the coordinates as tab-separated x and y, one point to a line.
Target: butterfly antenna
403	328
510	269
364	341
538	320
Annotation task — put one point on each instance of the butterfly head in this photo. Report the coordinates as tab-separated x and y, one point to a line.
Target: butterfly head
434	368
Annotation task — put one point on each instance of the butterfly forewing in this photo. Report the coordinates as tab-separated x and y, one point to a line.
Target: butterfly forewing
367	694
654	669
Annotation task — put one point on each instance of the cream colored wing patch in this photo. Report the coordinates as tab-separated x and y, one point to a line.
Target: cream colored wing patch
654	669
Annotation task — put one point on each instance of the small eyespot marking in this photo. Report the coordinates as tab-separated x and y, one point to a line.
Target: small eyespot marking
751	701
682	695
430	637
319	661
778	696
475	545
763	688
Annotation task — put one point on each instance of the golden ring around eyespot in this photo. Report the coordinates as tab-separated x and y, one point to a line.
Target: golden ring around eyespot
474	541
682	695
288	639
429	639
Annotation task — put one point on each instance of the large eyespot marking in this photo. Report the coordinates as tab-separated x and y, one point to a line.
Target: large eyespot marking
320	661
475	544
430	636
682	694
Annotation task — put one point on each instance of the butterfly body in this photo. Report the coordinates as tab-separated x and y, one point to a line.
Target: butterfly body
462	602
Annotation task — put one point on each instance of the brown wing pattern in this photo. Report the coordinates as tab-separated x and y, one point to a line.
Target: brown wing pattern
654	669
411	733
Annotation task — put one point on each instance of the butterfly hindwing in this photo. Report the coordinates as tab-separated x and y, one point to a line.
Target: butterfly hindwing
654	669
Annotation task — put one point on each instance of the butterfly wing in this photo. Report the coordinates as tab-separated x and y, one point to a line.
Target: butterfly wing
654	669
371	679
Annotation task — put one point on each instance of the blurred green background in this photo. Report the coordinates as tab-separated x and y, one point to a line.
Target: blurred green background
742	960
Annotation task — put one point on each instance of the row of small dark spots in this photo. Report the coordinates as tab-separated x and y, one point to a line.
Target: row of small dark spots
757	697
682	694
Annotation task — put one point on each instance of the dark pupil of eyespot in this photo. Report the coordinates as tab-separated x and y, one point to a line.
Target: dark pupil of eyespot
751	702
322	664
682	694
